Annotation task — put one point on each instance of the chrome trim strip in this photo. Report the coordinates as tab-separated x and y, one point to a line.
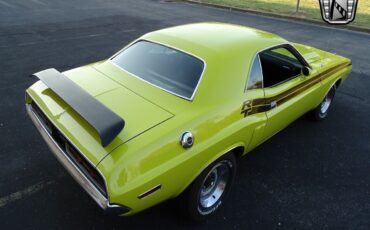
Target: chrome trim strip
270	48
259	61
149	191
172	47
250	72
70	142
257	55
61	156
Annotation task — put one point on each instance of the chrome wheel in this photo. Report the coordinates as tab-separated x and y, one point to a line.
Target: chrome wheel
324	107
209	190
214	185
322	110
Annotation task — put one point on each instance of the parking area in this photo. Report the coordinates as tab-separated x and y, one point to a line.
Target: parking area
309	176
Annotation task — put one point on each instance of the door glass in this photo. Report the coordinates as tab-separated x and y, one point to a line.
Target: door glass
279	65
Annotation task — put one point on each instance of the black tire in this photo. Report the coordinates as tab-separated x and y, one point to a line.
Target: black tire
322	110
194	196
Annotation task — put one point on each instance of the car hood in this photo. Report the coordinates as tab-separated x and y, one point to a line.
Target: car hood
138	113
310	54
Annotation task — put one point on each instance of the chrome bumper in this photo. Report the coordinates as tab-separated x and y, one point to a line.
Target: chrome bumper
89	187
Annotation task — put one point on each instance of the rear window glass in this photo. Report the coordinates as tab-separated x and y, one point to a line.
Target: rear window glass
162	66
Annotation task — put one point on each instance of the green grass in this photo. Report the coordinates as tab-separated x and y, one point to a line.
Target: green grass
309	9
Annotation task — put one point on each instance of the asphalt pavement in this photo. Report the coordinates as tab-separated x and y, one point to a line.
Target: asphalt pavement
309	176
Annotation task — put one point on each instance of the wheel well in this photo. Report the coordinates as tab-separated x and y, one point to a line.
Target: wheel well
238	151
337	84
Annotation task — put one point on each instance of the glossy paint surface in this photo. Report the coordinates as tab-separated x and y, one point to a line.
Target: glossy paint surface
147	152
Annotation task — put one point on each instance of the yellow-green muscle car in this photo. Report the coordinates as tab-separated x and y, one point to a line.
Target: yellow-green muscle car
170	113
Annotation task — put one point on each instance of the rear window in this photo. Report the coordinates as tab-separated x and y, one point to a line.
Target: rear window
162	66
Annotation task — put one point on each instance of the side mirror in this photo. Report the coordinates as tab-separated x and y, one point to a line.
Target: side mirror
305	71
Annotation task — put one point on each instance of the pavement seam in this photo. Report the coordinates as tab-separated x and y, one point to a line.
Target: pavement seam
5	200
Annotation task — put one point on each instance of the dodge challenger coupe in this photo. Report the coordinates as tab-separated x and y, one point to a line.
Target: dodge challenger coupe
169	114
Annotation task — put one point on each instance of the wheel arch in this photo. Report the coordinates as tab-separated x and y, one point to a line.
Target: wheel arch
237	150
338	83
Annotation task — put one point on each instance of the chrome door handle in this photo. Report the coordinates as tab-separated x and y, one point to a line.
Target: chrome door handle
273	104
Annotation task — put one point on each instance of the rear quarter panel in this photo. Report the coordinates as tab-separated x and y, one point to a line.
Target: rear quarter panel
158	158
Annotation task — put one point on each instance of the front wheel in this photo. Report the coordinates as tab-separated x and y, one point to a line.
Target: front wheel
321	111
206	194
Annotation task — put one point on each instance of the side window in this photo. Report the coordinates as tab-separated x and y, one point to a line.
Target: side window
255	75
283	52
279	65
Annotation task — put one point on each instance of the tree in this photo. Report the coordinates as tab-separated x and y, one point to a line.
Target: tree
297	9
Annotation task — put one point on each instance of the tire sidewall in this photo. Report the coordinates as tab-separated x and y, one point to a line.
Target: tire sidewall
198	213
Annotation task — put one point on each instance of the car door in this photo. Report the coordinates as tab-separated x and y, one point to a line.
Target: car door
288	92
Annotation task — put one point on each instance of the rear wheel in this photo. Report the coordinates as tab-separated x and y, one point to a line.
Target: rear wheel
206	194
321	111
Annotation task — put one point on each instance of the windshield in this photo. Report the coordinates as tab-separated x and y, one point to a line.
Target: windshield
162	66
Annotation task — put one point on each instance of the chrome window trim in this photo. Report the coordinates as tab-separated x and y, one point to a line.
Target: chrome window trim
259	61
281	46
169	46
257	54
250	72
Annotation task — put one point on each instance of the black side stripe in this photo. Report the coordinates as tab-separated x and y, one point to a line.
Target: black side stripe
259	105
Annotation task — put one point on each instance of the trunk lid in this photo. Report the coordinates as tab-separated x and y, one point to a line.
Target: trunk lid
139	114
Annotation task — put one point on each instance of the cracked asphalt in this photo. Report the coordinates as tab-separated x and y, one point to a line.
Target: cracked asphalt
309	176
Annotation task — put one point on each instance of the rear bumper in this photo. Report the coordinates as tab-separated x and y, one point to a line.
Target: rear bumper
77	174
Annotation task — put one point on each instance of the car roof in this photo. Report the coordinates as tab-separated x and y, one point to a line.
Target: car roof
227	51
206	39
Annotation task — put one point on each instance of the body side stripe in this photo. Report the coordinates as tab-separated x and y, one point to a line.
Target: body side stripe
259	105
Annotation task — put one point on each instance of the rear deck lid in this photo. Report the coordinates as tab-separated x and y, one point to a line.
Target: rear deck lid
139	114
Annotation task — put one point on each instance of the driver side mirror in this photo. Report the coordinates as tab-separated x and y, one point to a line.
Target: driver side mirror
305	71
